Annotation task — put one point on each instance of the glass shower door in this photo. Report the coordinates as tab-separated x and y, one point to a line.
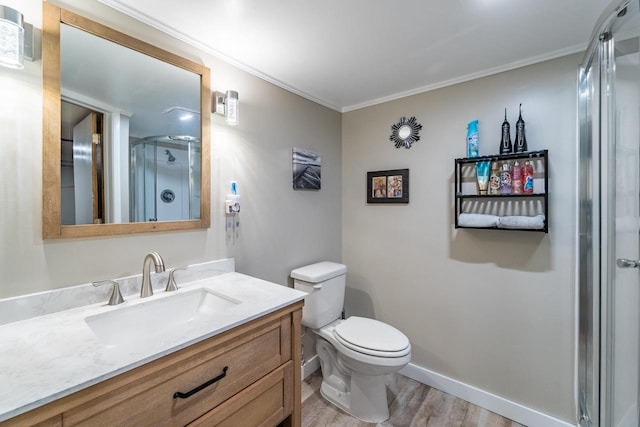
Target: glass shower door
143	185
622	349
609	220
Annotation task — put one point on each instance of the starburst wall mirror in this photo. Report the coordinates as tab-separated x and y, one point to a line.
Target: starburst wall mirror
405	132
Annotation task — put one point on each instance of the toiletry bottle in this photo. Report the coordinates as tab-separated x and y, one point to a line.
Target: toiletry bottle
527	177
505	178
505	144
516	178
494	179
473	147
520	145
482	176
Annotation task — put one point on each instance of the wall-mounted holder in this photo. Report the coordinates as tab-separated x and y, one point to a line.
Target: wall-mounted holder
232	204
232	210
228	105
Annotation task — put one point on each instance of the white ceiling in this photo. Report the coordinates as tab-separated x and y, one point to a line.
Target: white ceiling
347	54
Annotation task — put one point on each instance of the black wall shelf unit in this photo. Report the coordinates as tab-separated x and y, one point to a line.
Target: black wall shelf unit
541	189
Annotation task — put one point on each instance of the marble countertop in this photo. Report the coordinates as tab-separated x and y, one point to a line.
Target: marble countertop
48	357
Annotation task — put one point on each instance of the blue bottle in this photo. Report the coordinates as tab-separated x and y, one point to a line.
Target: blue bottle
473	141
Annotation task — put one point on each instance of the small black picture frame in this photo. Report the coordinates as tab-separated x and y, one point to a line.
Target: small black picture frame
390	186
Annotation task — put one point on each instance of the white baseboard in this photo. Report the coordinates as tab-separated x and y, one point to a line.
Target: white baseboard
512	410
310	366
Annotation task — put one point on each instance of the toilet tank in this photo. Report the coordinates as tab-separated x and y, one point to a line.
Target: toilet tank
325	284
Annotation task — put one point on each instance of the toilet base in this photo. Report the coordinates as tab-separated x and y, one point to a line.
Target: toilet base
361	395
366	398
353	381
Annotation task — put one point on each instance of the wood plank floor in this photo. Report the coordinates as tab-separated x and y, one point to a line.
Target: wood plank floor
411	404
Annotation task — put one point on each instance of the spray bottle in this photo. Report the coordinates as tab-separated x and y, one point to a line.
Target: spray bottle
473	141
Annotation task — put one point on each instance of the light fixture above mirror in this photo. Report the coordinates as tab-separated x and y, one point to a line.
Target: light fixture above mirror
16	38
143	119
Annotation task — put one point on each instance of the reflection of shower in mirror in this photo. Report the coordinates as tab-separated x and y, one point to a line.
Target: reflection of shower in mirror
165	178
170	157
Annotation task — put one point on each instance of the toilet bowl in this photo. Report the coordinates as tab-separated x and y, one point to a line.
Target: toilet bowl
355	353
354	375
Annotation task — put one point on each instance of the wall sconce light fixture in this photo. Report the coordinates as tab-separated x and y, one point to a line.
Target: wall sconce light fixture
16	38
228	105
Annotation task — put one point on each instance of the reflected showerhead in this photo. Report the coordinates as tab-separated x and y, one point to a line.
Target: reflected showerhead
171	158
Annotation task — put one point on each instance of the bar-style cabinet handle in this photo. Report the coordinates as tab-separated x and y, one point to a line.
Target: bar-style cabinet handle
180	395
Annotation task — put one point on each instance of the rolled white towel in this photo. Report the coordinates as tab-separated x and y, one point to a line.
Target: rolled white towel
519	222
477	220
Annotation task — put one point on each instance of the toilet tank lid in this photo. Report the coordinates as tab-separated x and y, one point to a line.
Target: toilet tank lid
319	272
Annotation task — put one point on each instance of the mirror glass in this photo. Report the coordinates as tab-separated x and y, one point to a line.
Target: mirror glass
404	132
137	139
132	146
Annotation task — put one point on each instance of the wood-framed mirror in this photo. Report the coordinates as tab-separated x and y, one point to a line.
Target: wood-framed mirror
126	133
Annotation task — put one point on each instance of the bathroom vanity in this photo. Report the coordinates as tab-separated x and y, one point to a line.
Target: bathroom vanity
235	363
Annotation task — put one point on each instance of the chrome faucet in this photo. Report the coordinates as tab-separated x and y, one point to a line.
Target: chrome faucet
116	296
146	290
171	283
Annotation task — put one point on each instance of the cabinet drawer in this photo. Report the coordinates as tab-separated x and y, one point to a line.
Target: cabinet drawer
51	422
265	403
149	400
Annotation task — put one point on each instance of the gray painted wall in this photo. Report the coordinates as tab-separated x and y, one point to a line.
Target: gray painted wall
279	229
493	309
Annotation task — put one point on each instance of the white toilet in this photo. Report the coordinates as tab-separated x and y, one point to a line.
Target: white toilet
355	353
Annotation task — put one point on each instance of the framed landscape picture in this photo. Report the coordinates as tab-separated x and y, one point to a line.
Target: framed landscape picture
391	186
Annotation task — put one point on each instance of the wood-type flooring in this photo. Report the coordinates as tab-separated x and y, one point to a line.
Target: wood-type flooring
411	404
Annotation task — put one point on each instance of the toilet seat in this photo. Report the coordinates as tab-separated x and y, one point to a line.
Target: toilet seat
372	337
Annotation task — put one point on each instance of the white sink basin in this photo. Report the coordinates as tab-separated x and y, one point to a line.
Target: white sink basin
157	319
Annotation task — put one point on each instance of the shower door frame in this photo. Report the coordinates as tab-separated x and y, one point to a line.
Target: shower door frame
596	217
194	156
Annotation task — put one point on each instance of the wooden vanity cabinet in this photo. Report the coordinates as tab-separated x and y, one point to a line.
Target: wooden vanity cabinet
260	387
